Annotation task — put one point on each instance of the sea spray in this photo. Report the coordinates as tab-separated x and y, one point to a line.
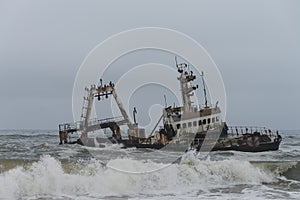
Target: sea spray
47	177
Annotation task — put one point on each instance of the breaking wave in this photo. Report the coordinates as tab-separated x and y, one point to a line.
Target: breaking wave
50	177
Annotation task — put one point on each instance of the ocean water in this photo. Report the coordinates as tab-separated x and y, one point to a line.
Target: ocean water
34	166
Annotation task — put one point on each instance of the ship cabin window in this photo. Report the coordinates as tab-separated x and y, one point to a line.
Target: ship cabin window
184	125
217	118
178	126
190	124
200	122
208	120
195	123
204	121
213	120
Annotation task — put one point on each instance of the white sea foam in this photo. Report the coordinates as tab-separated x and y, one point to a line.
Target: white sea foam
48	178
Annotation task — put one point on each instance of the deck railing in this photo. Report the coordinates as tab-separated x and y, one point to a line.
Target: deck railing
78	126
239	130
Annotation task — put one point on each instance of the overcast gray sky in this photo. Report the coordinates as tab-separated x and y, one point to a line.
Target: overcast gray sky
255	43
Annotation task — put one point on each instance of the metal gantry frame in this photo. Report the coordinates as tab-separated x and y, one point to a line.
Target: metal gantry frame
86	125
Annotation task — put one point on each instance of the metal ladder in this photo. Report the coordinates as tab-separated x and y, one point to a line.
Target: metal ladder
84	105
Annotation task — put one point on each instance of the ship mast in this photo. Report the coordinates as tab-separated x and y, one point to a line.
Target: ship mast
204	90
186	88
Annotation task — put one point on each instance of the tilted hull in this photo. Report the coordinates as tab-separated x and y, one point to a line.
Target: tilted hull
270	146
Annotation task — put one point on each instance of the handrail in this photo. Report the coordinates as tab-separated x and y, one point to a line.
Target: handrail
78	125
236	130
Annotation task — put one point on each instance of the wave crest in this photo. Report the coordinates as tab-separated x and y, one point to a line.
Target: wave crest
49	177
